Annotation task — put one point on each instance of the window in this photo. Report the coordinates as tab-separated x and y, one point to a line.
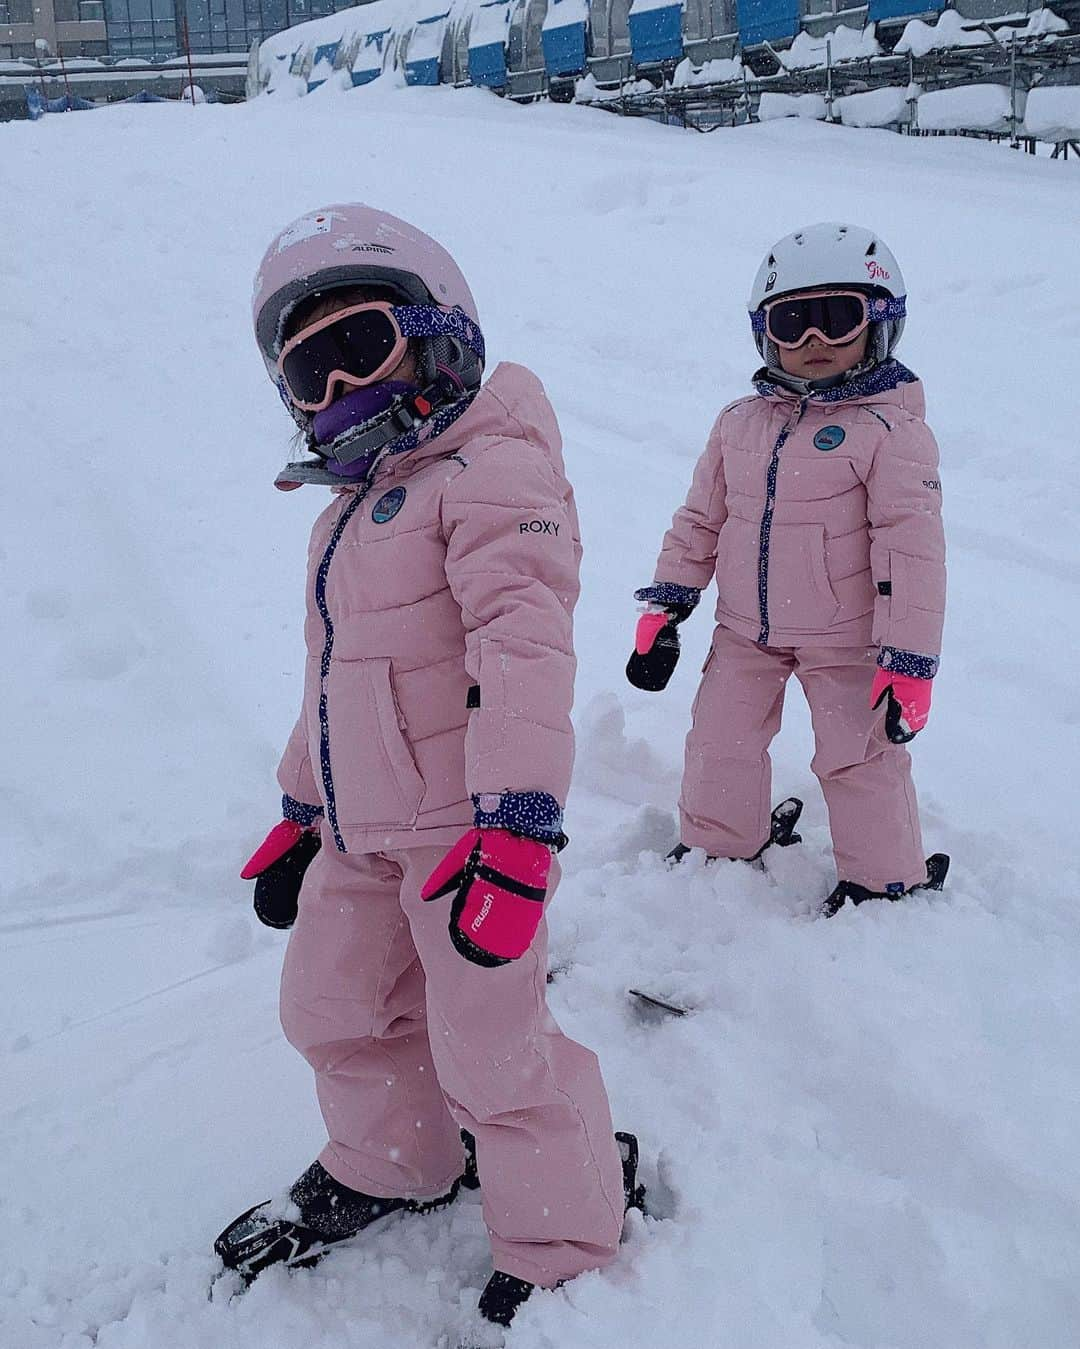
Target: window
17	11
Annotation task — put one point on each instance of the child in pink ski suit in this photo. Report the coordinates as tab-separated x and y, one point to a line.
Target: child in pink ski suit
816	506
432	754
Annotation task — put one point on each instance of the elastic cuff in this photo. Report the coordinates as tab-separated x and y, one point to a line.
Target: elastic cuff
299	813
908	663
535	815
667	592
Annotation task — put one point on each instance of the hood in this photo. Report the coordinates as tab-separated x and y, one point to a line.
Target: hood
890	382
512	404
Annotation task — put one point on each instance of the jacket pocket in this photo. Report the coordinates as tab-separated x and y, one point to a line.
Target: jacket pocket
801	597
374	778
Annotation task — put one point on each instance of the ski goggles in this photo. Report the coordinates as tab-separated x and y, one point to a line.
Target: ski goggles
361	345
837	317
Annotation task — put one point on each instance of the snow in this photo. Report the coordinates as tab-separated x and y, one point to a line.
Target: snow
775	106
564	13
1053	112
844	43
972	107
646	6
888	106
720	70
587	90
953	30
426	41
490	24
345	26
867	1136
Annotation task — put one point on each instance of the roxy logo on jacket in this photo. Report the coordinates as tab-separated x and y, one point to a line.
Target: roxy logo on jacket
539	527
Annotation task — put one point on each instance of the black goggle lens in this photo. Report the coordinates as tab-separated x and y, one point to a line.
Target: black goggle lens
835	315
358	344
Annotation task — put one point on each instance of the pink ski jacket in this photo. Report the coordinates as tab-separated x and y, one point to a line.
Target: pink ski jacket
820	518
439	637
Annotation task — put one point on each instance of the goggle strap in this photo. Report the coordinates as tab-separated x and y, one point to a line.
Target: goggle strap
426	320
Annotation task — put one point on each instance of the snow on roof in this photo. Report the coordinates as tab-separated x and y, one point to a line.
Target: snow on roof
427	37
876	107
774	106
491	23
847	44
644	6
1053	112
972	107
564	13
343	26
952	30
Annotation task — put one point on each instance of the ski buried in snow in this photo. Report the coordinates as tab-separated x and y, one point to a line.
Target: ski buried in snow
656	1006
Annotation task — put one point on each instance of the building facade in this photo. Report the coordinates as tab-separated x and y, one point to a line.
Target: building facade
150	30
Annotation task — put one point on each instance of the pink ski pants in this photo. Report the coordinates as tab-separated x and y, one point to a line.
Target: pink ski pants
866	781
409	1041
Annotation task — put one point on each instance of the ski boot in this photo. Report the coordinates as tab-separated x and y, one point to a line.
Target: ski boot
847	892
504	1293
321	1212
782	833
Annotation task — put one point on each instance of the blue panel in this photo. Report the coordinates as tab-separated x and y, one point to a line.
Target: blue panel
487	65
326	52
656	35
767	20
422	72
901	9
564	49
364	77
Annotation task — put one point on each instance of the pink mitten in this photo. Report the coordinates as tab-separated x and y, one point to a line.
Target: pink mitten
908	706
500	882
649	627
274	846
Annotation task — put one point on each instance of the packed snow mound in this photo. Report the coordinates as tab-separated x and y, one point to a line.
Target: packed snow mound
842	44
722	70
973	107
1052	112
772	107
954	30
888	106
865	1136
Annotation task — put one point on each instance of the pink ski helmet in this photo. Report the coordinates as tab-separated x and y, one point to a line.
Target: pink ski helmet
356	245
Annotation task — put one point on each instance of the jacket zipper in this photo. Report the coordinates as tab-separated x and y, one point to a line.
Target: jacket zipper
767	519
327	653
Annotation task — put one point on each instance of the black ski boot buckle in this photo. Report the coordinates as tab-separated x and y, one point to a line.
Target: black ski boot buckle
633	1189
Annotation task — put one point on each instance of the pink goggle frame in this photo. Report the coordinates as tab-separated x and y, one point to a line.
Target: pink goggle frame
337	374
809	332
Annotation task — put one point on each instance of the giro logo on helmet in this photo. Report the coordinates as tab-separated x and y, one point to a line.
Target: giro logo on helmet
877	272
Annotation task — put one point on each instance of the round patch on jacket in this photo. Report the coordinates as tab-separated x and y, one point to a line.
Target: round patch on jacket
829	437
388	505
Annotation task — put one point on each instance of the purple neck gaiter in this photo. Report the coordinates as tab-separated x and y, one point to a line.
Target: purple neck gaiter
355	408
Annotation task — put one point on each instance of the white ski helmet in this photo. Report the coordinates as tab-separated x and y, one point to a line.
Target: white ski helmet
825	256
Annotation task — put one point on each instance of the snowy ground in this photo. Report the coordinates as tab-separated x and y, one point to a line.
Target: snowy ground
867	1137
